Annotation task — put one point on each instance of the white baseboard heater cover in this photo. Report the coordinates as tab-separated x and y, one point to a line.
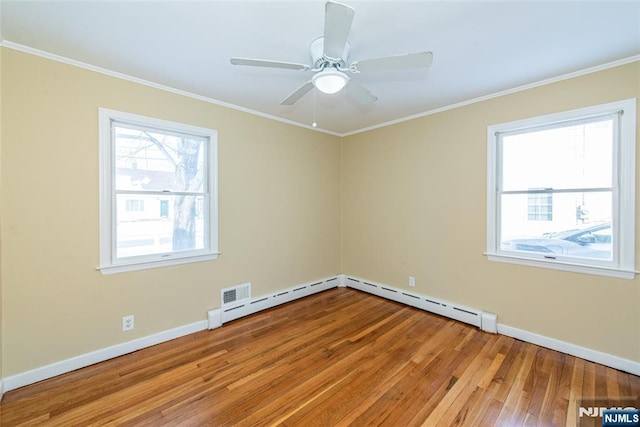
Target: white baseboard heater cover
489	322
233	311
433	305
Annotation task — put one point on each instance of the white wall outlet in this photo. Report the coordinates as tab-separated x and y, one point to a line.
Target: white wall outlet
128	323
412	281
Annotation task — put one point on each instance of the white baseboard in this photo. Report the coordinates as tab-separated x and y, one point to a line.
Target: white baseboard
572	349
68	365
1	390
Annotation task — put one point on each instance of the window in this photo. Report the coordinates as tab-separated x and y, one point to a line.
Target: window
561	190
540	206
164	208
158	201
135	205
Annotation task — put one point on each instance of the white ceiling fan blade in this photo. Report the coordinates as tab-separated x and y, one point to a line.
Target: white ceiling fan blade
360	93
398	62
337	24
297	94
270	64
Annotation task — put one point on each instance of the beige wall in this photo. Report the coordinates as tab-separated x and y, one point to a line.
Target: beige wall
414	204
279	207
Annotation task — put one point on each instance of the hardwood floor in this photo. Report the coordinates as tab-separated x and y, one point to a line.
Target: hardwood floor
337	358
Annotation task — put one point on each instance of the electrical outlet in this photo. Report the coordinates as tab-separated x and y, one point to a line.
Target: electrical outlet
412	281
127	323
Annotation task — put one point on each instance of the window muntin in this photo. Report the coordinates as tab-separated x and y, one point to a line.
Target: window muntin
158	192
561	190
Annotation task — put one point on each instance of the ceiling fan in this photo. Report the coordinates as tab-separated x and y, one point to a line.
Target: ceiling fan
329	60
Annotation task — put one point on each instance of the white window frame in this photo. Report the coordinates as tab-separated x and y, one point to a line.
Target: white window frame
109	263
623	227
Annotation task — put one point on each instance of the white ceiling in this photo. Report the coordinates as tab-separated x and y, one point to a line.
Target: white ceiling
479	47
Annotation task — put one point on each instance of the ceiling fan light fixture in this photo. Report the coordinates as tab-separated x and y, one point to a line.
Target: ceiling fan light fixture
330	81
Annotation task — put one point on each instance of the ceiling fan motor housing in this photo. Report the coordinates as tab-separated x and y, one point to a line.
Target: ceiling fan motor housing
319	61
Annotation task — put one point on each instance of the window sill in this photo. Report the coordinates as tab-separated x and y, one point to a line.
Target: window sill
565	266
147	265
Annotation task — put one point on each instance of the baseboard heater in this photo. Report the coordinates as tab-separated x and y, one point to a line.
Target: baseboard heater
233	309
433	305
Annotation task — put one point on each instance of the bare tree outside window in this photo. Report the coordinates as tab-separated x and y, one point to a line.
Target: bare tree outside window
188	175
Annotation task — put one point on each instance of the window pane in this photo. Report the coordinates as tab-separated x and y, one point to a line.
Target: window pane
164	224
577	156
153	161
580	225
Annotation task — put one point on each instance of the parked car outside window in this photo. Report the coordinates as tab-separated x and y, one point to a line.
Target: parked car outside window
590	242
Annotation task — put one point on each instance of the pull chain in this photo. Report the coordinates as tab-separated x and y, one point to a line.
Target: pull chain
314	124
